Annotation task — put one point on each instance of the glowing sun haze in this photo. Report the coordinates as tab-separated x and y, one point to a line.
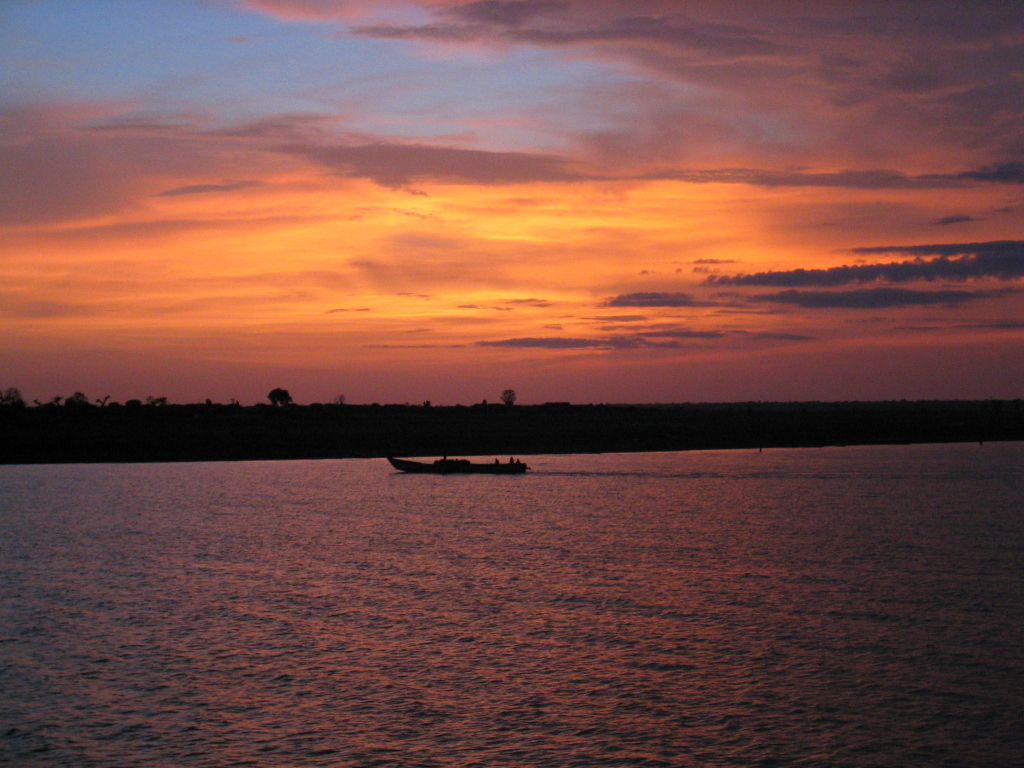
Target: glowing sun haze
599	201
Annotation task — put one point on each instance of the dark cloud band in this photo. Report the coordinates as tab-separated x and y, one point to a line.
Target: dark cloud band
199	189
553	342
671	338
873	298
1000	259
395	165
652	300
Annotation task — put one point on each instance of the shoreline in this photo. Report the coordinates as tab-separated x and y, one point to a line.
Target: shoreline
212	432
425	457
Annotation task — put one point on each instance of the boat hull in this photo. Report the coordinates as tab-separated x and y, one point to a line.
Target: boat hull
456	467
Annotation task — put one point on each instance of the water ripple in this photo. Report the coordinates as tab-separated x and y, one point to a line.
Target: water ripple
845	607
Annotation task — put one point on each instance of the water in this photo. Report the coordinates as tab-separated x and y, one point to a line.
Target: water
826	607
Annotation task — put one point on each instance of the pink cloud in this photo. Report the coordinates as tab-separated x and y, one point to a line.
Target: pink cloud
304	10
892	81
67	162
923	86
398	164
330	10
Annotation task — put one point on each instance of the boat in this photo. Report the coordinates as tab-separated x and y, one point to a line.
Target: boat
448	466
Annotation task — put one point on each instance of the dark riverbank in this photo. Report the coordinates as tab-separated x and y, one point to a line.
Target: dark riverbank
213	432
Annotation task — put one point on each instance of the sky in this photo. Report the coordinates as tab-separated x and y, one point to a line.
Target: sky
583	200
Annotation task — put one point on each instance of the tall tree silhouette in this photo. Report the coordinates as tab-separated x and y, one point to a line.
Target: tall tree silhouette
279	396
12	397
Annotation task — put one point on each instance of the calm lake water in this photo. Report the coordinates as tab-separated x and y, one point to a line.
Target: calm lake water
817	607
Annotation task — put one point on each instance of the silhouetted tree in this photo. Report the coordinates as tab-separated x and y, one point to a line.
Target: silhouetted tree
77	400
508	397
339	400
156	401
12	397
279	396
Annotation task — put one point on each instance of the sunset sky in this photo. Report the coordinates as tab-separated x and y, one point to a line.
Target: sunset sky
594	201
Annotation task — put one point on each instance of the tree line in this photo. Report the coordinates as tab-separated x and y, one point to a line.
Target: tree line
11	397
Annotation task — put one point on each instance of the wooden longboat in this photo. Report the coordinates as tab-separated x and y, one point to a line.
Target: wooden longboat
457	467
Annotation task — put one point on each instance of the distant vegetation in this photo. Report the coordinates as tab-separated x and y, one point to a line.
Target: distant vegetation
279	397
11	398
80	429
